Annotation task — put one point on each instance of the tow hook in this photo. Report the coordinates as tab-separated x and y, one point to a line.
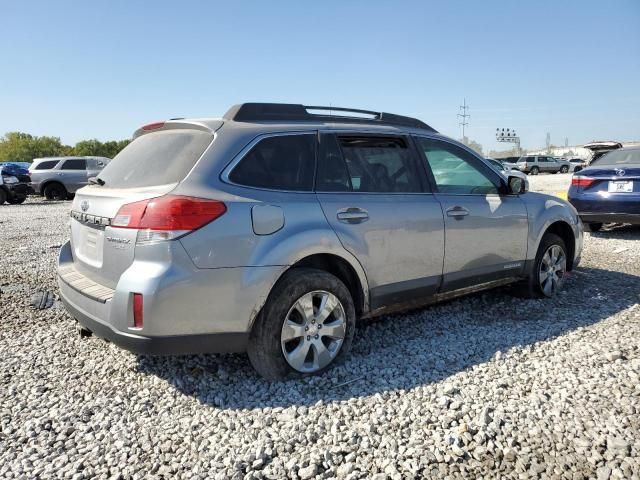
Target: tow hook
83	332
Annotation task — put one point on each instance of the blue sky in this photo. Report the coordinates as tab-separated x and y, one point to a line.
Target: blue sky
100	69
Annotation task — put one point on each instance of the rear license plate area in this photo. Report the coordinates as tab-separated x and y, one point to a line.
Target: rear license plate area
617	186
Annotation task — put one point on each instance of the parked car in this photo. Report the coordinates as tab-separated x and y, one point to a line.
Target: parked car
577	164
535	164
600	148
58	178
503	170
608	190
12	189
17	170
271	229
510	163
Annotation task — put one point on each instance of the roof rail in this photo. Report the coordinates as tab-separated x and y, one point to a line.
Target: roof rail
259	112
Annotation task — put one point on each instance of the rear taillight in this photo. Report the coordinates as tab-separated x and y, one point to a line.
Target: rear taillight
138	319
167	217
582	181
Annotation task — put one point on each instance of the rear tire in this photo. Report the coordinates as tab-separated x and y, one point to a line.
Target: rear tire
55	191
564	169
3	196
272	347
537	285
534	171
595	227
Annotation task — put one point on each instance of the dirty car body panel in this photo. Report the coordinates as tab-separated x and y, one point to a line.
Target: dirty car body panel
202	288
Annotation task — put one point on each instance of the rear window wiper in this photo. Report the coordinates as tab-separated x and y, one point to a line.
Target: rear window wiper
96	181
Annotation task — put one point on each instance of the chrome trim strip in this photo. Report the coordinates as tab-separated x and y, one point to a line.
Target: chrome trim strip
90	220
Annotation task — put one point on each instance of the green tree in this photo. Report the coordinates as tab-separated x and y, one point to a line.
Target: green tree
97	148
23	147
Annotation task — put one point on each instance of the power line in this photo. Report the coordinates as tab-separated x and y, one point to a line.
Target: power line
464	115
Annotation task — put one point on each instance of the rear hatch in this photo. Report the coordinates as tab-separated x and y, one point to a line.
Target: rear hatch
599	148
152	165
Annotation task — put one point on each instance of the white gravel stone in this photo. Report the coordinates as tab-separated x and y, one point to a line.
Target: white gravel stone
488	386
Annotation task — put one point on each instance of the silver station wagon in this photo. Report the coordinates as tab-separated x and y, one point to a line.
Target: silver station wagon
272	229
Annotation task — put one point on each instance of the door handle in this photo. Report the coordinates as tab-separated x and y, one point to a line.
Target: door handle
457	212
352	215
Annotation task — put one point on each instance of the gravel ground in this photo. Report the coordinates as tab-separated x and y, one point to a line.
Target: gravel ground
550	183
483	387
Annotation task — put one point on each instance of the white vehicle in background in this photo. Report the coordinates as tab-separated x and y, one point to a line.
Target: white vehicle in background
577	164
506	171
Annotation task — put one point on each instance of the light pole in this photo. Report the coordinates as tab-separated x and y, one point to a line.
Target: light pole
508	135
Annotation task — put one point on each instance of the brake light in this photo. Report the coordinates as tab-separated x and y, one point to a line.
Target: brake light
138	319
582	181
167	217
153	126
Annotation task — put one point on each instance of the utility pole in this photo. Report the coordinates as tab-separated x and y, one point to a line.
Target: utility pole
463	116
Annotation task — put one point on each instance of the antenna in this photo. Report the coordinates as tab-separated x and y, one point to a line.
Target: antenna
464	115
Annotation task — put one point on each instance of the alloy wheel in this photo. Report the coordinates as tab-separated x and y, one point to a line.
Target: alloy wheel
313	331
552	270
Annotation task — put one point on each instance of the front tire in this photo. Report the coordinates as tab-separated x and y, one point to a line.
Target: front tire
305	327
564	169
3	196
549	269
595	227
534	171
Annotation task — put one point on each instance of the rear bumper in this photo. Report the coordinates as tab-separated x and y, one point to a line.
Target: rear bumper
186	310
610	218
17	189
171	345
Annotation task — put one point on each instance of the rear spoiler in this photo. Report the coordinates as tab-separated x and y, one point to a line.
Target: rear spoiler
210	126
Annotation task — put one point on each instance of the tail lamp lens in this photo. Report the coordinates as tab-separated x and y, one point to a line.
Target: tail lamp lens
582	181
138	319
170	213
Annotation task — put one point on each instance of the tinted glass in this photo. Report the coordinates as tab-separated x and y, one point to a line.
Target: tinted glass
46	165
74	164
619	157
332	170
380	164
498	166
285	162
157	158
454	169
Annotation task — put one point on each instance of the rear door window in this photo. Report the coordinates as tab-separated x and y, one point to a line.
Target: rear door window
74	164
158	158
376	164
282	162
46	165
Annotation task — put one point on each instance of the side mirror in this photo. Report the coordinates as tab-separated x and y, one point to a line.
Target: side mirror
517	185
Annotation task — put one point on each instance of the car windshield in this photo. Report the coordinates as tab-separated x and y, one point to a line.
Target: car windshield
619	157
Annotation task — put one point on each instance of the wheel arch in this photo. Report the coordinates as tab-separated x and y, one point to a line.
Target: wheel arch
347	270
564	231
46	183
341	268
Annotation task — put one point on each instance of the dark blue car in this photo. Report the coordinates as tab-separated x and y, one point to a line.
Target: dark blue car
608	190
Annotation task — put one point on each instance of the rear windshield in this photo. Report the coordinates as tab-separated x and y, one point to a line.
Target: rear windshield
157	158
619	157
